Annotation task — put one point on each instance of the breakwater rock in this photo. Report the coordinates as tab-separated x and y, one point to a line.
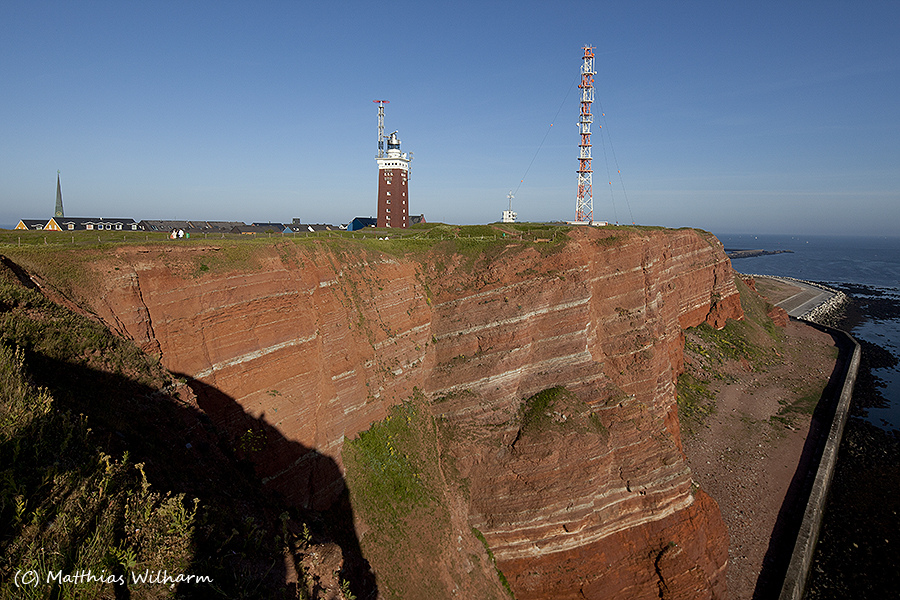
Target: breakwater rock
733	254
826	313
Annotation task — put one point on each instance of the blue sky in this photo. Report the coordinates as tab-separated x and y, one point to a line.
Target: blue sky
766	117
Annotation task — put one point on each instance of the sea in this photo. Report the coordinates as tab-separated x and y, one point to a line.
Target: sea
858	555
865	268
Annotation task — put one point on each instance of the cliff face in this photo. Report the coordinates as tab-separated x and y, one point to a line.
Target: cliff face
321	341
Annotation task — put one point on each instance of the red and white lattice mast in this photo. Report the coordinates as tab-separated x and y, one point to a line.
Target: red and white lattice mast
584	204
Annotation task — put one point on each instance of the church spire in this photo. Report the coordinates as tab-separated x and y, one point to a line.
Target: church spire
59	207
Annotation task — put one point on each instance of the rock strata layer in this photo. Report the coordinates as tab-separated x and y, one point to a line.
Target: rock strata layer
321	340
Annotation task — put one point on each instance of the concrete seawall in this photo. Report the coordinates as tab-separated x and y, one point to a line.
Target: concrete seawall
801	558
830	300
817	306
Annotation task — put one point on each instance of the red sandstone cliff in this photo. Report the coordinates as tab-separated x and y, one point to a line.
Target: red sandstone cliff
321	340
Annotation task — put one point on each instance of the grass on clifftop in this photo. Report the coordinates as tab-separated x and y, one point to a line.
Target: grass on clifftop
64	259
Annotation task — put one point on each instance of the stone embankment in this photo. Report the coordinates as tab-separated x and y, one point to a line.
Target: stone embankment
733	254
824	313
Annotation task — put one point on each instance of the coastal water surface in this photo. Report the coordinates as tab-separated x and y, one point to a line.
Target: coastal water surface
858	554
865	268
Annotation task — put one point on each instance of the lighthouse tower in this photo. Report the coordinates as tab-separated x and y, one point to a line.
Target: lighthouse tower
393	175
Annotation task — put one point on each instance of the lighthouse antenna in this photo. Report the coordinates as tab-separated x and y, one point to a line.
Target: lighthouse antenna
381	104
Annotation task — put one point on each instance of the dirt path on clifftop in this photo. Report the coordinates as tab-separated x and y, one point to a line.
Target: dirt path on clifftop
746	453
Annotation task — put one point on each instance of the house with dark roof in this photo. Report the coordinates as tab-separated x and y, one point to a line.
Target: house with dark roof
218	226
31	224
190	226
273	226
308	227
254	229
166	226
416	219
90	224
361	222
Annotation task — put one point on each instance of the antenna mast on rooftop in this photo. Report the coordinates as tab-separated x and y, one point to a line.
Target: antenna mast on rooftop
584	204
508	215
381	104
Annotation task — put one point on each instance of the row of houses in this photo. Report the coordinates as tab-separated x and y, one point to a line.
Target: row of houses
79	224
103	224
234	227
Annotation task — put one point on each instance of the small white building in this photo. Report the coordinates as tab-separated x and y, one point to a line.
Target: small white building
509	216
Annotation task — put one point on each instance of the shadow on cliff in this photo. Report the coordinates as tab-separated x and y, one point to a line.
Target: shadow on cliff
244	534
316	486
790	516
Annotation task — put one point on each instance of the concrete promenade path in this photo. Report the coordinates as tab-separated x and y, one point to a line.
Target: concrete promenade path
796	297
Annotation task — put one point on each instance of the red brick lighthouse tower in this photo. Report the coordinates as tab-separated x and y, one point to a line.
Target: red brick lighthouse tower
393	176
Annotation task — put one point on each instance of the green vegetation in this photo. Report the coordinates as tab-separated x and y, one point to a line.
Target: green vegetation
67	506
393	476
22	238
401	479
94	469
53	333
487	548
609	241
389	475
755	341
472	241
557	409
804	405
695	402
537	410
731	343
756	310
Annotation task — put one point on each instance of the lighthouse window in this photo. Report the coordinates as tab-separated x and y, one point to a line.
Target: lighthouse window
388	193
